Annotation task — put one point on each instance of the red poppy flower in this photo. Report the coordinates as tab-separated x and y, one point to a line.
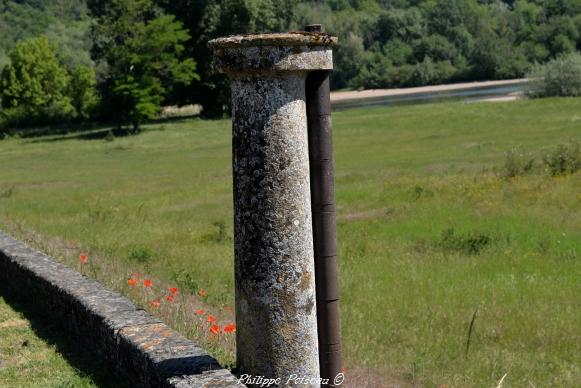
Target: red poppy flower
155	303
83	258
230	328
132	282
147	283
229	309
202	292
212	319
214	329
201	312
169	298
173	290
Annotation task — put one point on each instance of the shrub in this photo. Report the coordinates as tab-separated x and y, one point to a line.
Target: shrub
517	163
419	192
559	77
218	235
81	90
110	136
400	76
36	79
6	192
188	281
37	88
140	254
22	116
429	72
471	243
565	159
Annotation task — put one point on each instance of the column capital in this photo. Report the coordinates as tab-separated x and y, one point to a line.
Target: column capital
277	52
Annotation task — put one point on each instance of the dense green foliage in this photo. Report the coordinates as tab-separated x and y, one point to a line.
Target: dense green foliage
139	52
81	90
558	77
64	22
208	19
383	43
419	42
35	78
395	43
37	87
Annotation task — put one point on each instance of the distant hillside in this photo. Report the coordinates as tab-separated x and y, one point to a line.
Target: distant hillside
382	43
65	22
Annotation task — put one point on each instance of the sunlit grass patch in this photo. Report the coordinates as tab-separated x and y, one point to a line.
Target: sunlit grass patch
27	360
160	204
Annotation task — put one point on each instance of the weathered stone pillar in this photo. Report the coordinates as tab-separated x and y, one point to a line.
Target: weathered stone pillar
275	284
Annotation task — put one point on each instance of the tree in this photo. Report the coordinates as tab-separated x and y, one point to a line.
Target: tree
81	89
64	22
36	80
349	59
209	19
434	46
140	52
399	24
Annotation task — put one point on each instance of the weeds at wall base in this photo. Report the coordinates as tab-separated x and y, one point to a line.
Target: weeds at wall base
182	312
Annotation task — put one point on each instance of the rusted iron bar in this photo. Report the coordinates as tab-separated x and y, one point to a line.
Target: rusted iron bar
324	228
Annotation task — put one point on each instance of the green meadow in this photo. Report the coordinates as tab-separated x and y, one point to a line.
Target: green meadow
451	273
35	353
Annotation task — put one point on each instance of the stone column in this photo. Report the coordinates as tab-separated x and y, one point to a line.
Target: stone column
276	334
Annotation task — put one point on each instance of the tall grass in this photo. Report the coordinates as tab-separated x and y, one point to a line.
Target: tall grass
429	232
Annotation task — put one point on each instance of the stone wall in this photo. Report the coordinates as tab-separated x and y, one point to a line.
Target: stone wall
131	340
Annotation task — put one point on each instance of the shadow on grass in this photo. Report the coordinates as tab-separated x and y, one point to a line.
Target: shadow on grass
76	354
88	131
59	130
96	131
93	135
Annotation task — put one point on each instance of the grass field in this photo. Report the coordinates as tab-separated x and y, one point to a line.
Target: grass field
431	236
31	354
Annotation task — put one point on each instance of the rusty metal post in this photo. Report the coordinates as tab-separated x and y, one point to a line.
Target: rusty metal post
276	335
324	226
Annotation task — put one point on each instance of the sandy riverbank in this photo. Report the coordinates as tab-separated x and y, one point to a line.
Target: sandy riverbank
377	93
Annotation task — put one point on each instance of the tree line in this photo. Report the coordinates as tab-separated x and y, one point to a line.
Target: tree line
139	55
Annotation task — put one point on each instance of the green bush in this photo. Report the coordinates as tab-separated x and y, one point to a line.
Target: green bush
559	77
22	116
471	243
188	281
218	235
35	79
565	159
81	90
37	88
140	254
429	72
517	163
